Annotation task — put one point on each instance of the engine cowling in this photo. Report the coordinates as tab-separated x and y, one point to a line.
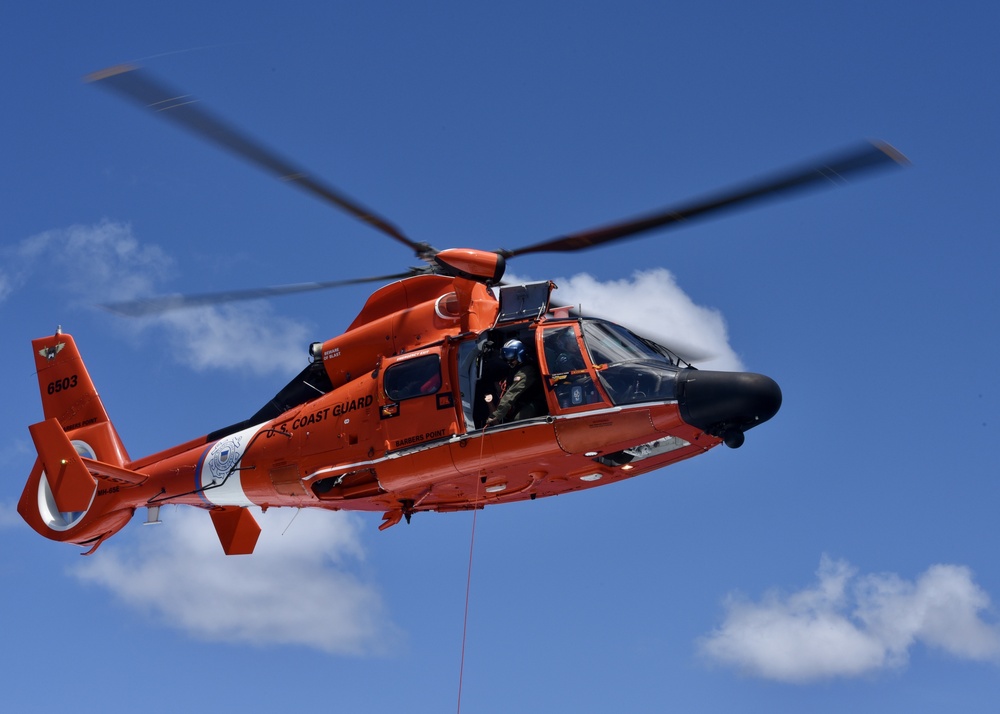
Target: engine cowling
478	265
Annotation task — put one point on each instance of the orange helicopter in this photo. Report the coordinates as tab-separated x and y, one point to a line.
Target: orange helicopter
399	414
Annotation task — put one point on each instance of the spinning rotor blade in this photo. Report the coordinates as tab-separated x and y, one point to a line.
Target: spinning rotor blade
184	110
833	170
167	303
137	85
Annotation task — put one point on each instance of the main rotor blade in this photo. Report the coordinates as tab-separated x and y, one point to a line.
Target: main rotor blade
137	85
833	171
168	303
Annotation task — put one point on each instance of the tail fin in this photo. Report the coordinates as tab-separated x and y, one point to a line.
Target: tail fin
69	396
76	443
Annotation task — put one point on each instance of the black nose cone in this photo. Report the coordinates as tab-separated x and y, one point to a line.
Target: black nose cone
726	402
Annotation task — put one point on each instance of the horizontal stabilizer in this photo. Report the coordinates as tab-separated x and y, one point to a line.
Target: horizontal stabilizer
71	483
114	473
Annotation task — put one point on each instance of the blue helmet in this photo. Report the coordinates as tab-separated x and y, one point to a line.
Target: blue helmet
513	352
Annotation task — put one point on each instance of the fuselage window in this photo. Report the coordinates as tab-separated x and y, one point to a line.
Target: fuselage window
413	378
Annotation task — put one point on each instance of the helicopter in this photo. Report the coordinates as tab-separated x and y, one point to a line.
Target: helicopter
396	415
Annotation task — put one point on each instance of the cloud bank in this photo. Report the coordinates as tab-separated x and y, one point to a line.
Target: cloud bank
849	625
296	589
105	262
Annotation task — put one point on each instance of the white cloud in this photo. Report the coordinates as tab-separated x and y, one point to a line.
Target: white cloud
941	609
654	306
248	336
849	625
296	588
100	262
105	262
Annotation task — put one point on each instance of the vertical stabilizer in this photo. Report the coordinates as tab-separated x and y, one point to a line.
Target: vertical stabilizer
72	491
69	396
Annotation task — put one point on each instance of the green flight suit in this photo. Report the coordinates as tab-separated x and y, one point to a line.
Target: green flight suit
524	397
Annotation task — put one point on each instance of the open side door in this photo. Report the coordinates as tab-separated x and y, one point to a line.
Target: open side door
416	399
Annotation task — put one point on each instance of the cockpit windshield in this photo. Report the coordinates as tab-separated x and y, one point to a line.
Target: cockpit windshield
609	343
631	369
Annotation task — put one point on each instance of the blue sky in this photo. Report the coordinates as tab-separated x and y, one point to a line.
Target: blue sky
844	558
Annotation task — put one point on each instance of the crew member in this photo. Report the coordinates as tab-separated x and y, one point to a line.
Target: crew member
524	397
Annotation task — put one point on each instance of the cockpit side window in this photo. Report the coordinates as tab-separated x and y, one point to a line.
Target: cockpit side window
413	378
562	351
568	376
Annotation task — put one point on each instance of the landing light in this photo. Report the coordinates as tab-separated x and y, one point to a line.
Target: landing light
496	488
591	477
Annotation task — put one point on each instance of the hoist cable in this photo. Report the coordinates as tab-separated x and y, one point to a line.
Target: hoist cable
468	579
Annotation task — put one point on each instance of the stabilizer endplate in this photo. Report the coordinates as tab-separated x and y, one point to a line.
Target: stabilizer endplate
72	484
237	530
